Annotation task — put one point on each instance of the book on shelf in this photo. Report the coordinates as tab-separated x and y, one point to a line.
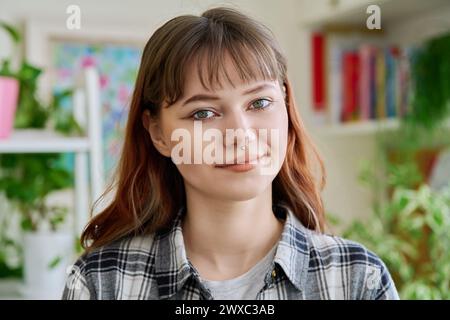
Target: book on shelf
318	65
357	78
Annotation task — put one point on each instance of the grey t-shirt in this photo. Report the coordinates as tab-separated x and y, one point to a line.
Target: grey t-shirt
245	286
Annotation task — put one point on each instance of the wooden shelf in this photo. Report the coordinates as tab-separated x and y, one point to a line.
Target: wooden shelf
42	141
392	11
357	128
360	128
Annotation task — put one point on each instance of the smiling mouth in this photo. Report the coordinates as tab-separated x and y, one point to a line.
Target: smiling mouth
247	163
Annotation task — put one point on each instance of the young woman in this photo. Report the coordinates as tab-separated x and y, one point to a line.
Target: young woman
182	226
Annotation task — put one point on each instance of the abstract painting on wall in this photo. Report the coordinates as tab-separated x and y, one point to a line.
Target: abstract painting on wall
117	65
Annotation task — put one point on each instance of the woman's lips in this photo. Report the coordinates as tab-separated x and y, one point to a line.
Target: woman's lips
241	167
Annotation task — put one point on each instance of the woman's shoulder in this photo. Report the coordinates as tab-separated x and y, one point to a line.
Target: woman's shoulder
350	263
329	248
326	249
129	251
95	274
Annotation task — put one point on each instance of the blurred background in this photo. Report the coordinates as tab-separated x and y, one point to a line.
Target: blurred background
371	79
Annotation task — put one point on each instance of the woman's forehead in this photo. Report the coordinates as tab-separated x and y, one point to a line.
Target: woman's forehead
199	77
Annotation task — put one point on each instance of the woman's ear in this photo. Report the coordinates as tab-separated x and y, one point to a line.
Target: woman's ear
152	125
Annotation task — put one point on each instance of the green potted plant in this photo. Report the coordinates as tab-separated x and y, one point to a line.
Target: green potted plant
409	231
430	105
10	240
27	181
424	130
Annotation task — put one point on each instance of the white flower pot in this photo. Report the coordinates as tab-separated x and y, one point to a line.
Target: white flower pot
47	257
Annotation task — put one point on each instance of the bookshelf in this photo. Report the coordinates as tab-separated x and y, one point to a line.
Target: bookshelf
400	22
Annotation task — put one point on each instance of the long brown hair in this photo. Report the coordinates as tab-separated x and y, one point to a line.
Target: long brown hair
148	187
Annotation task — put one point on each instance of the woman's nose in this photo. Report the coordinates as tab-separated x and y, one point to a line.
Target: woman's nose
238	129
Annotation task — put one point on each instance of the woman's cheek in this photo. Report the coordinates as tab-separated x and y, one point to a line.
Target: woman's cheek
278	138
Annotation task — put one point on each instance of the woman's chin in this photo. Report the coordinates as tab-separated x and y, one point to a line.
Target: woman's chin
240	192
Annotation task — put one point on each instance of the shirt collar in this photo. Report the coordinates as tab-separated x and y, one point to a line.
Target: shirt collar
293	250
173	269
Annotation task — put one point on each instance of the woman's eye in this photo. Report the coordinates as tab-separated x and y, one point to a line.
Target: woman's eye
261	103
203	114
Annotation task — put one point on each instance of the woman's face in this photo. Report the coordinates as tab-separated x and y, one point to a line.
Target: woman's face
207	129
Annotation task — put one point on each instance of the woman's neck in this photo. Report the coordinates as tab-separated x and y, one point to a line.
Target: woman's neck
224	239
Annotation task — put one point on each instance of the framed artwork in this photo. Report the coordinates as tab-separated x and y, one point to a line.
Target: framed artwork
114	51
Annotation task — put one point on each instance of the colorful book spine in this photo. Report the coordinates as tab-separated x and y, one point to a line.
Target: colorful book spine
373	85
380	85
334	84
350	82
391	66
318	72
360	82
399	83
366	79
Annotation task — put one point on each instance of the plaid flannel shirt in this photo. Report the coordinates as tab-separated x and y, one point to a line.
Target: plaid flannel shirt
307	265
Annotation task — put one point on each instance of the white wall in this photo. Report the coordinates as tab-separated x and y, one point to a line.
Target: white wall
143	13
342	194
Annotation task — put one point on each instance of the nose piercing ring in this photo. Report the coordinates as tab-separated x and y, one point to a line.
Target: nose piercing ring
246	144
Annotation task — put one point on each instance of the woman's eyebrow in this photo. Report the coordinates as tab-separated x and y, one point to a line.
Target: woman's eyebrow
200	97
259	88
208	97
